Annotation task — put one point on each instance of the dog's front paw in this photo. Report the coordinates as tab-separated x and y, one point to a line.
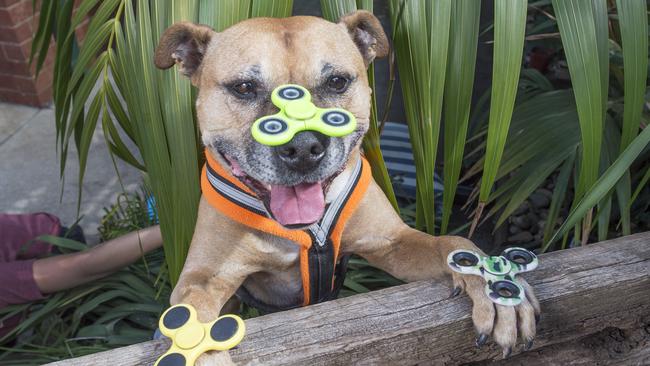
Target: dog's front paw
214	358
504	323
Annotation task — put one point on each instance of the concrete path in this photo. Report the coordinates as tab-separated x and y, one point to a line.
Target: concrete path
29	170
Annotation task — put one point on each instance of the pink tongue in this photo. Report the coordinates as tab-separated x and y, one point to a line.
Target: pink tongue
301	204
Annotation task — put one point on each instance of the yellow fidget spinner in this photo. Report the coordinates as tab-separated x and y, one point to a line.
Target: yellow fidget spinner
298	113
191	338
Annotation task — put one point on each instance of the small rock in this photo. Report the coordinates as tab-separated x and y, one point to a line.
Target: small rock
539	200
514	229
534	229
522	209
522	237
546	193
543	215
521	221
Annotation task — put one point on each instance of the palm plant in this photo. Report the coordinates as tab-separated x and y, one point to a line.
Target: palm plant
437	40
581	130
137	104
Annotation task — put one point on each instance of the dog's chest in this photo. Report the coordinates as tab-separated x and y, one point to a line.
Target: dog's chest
279	283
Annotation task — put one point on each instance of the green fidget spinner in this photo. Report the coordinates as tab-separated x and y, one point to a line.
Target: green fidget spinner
498	271
298	113
191	338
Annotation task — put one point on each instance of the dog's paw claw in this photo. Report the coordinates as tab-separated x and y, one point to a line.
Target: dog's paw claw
529	345
506	352
456	291
480	341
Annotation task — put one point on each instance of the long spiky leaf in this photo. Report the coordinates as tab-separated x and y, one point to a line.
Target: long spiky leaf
582	33
509	30
463	41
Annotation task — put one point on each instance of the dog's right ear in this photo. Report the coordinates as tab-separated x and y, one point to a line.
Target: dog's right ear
184	44
367	33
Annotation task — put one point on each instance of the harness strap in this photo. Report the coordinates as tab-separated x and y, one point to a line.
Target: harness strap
319	244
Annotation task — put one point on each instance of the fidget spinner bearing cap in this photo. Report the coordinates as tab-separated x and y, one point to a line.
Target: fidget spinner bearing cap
297	113
191	338
497	271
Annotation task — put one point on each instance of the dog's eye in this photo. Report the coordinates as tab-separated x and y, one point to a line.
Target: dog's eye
245	90
338	84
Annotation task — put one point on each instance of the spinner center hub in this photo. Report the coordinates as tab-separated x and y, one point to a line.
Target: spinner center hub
497	265
190	336
300	110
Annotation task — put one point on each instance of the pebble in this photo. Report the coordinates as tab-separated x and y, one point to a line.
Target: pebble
539	200
526	223
522	209
521	221
546	193
522	237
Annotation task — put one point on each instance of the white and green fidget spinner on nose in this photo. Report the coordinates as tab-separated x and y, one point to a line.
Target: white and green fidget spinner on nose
191	338
298	113
498	271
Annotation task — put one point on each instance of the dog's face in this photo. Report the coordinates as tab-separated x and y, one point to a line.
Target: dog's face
236	71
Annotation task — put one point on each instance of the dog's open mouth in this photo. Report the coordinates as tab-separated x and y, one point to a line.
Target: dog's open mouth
291	206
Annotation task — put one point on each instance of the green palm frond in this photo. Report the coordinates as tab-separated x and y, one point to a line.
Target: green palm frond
633	22
509	30
463	42
584	37
606	182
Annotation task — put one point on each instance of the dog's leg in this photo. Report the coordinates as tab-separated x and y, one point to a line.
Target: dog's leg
221	256
209	290
378	234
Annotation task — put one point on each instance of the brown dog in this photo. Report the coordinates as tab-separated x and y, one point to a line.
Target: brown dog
235	72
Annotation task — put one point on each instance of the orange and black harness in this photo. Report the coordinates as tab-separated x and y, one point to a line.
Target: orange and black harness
322	267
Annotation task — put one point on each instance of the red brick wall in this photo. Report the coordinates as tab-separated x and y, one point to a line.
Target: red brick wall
18	81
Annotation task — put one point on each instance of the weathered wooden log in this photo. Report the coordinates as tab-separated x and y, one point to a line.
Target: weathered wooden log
611	346
582	291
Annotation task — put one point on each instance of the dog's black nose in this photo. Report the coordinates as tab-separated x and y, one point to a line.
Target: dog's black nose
304	151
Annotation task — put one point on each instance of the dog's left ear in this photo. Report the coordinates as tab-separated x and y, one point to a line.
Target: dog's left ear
367	33
184	44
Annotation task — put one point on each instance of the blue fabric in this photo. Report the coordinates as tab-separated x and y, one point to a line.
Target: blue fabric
151	209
